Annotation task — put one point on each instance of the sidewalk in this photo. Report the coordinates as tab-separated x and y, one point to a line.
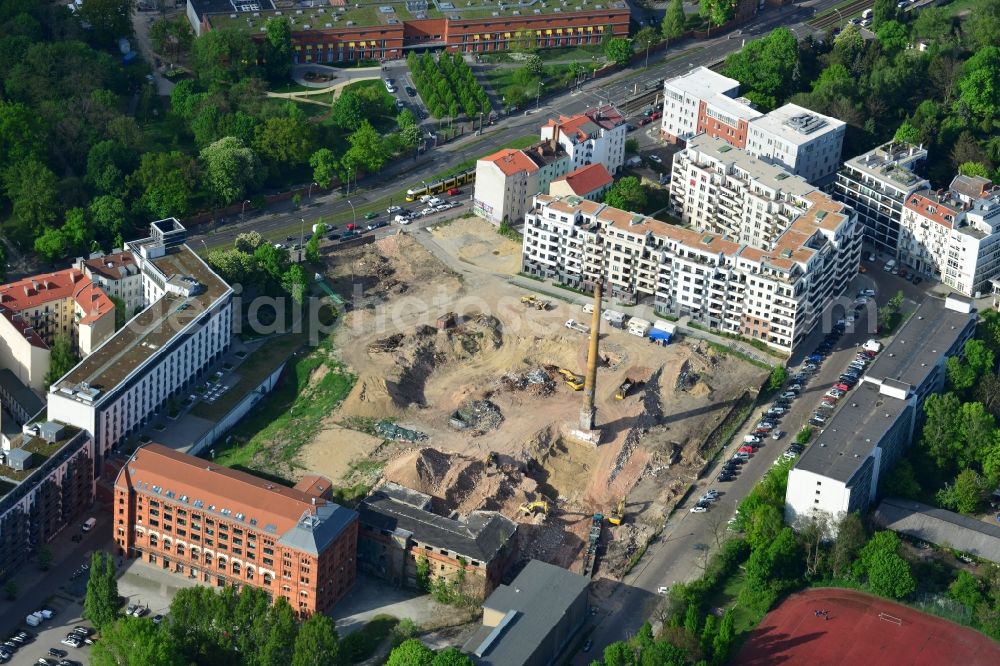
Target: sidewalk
36	587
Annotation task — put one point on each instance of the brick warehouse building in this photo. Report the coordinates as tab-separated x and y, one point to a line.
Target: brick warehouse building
387	30
226	527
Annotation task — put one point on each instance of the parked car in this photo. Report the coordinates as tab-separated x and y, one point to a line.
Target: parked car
656	158
410	91
790	395
697	508
725	476
746	449
842	387
56	652
777	434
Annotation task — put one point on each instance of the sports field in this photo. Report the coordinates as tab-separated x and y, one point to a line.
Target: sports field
861	629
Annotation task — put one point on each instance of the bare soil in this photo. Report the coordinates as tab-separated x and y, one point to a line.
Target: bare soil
495	372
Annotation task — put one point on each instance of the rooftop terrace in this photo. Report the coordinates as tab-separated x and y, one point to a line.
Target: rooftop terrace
367	14
10	478
150	330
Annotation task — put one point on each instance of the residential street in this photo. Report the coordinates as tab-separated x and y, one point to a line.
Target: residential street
281	218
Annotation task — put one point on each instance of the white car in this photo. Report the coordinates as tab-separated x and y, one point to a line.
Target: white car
656	158
434	201
393	209
71	641
663	589
698	509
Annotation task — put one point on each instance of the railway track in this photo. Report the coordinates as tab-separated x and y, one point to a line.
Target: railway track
834	17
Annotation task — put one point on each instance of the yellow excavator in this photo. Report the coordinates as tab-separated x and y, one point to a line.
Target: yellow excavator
618	512
573	380
529	508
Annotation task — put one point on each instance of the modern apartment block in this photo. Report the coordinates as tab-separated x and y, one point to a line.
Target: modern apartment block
224	527
46	480
953	237
775	294
185	327
37	310
876	185
801	141
400	532
705	101
338	31
596	136
841	469
118	275
715	187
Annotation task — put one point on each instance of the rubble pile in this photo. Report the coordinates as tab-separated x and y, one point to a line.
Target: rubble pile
478	416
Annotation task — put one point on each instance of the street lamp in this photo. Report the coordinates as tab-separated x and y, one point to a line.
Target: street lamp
354	215
310	194
302	231
538	94
243	210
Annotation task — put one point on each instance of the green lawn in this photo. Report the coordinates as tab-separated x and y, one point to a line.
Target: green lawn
362	644
956	7
290	416
585	52
252	371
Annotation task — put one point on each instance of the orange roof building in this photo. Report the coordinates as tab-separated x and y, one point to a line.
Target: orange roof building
37	310
589	182
225	527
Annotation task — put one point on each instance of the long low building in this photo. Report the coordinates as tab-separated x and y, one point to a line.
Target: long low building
157	356
400	533
775	295
348	32
940	527
840	471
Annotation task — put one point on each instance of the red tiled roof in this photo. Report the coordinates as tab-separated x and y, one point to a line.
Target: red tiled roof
934	209
70	283
257	499
587	179
512	161
22	327
113	266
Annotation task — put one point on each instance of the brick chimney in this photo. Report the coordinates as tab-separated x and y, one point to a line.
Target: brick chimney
555	137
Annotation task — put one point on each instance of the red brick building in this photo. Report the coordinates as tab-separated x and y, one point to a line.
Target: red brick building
225	527
387	30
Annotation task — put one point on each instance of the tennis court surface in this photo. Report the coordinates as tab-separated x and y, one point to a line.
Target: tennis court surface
861	629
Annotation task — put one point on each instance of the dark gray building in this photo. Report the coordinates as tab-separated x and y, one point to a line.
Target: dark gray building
531	621
940	527
874	424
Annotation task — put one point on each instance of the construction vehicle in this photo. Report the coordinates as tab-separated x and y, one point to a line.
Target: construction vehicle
528	300
618	512
532	301
573	380
623	389
593	541
528	508
574	325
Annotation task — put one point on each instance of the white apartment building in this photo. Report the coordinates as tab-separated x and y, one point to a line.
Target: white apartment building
118	275
870	430
596	136
953	238
803	142
715	187
186	326
876	185
685	99
775	295
507	179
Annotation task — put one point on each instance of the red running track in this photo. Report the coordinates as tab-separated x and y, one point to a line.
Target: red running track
855	634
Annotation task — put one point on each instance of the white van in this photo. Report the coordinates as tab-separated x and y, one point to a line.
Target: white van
867	14
89	524
890	266
588	308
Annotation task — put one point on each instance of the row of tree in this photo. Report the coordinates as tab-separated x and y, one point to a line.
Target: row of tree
447	85
942	94
259	266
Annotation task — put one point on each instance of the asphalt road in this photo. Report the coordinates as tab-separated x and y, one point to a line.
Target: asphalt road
280	220
673	557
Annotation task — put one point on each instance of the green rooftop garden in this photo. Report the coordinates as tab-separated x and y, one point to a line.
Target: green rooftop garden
371	14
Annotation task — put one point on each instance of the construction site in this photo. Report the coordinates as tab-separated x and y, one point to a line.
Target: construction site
479	393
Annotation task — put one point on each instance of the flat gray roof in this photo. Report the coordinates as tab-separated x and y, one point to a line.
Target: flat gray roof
19	393
540	595
852	433
927	335
921	521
